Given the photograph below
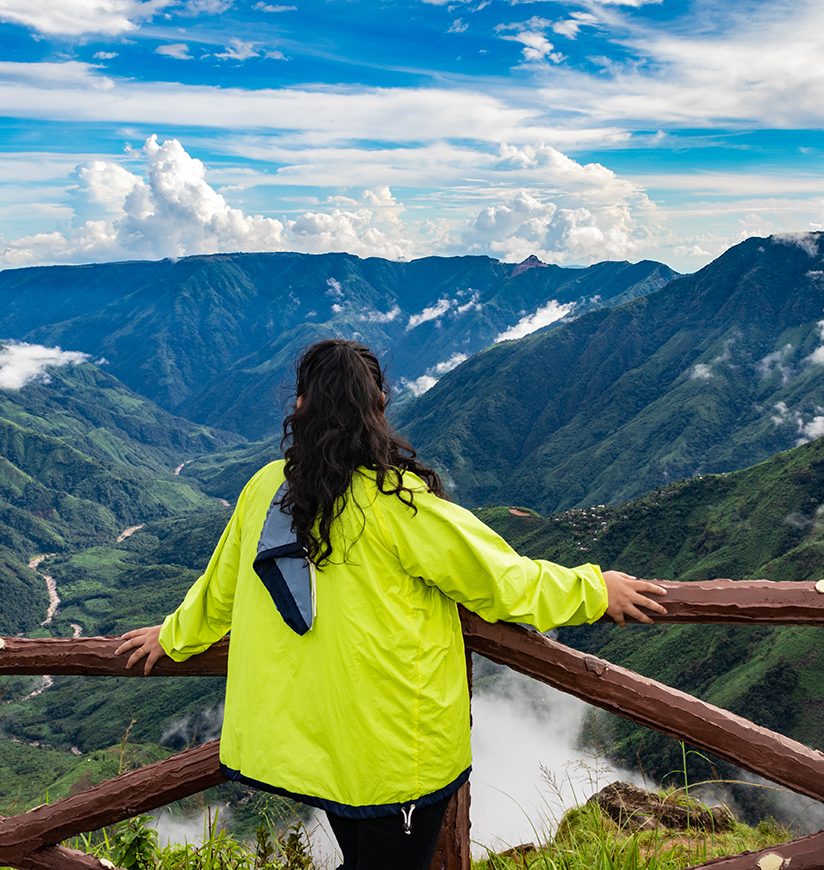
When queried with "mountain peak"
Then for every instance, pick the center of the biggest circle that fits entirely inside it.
(531, 262)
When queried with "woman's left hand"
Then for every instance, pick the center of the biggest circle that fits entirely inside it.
(144, 642)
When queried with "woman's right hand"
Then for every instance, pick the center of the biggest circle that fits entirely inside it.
(625, 597)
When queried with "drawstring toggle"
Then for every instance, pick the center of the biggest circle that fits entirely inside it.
(407, 818)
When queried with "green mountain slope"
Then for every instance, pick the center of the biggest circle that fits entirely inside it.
(763, 521)
(214, 337)
(81, 458)
(711, 373)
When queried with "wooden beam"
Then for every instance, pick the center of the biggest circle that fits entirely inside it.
(453, 851)
(649, 703)
(61, 858)
(804, 854)
(94, 656)
(784, 602)
(127, 795)
(732, 601)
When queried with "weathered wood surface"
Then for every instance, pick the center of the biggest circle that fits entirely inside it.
(94, 656)
(112, 801)
(60, 858)
(732, 601)
(784, 602)
(454, 850)
(804, 854)
(649, 703)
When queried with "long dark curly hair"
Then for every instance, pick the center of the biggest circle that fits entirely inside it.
(339, 424)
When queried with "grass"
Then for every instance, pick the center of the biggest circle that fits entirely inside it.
(587, 839)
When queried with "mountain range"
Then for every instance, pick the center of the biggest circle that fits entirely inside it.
(632, 378)
(715, 371)
(213, 338)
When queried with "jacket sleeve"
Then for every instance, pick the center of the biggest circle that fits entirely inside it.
(205, 614)
(448, 547)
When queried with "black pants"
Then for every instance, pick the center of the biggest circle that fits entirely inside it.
(382, 844)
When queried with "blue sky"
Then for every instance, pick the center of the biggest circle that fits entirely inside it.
(579, 131)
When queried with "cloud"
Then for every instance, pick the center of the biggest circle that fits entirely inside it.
(808, 429)
(55, 76)
(777, 362)
(817, 356)
(458, 26)
(706, 371)
(701, 371)
(207, 7)
(238, 49)
(808, 242)
(177, 50)
(811, 429)
(104, 55)
(332, 113)
(174, 211)
(670, 71)
(373, 316)
(274, 7)
(78, 17)
(425, 382)
(594, 216)
(543, 316)
(530, 34)
(334, 288)
(569, 27)
(432, 312)
(21, 363)
(520, 797)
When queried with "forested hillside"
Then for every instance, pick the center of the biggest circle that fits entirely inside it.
(81, 458)
(213, 338)
(765, 521)
(714, 372)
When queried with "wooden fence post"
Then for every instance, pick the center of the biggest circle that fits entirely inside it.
(453, 849)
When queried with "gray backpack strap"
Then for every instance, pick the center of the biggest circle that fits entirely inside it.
(283, 567)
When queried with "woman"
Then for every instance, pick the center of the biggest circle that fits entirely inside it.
(346, 685)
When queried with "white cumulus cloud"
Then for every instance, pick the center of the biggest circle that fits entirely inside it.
(172, 210)
(76, 17)
(536, 47)
(543, 316)
(589, 215)
(21, 363)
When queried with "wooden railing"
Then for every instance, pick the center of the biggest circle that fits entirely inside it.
(31, 839)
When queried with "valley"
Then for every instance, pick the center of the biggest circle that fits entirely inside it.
(668, 428)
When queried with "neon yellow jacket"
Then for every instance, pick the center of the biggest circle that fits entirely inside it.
(370, 709)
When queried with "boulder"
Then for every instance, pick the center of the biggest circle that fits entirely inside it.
(635, 809)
